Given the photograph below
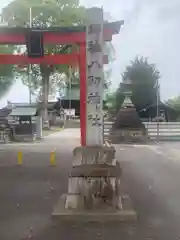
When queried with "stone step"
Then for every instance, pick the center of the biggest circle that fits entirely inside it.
(95, 170)
(127, 213)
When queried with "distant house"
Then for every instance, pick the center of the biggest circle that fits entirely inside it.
(71, 98)
(4, 112)
(21, 112)
(166, 113)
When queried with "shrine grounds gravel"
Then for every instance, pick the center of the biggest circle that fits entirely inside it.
(29, 192)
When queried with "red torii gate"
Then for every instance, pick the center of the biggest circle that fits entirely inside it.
(58, 35)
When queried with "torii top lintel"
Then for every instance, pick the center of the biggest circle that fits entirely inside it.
(56, 35)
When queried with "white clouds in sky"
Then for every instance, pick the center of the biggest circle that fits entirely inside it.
(151, 29)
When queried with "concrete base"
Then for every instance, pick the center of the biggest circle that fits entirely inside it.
(127, 213)
(39, 139)
(118, 140)
(25, 138)
(128, 136)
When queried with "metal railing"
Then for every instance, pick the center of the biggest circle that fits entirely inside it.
(168, 131)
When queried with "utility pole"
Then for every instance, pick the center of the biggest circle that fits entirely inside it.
(70, 90)
(70, 86)
(157, 109)
(29, 66)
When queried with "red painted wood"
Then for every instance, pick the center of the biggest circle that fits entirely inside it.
(54, 38)
(68, 59)
(82, 70)
(23, 60)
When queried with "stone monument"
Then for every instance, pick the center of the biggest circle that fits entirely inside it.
(94, 181)
(128, 126)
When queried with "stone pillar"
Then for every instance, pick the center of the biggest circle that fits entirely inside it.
(39, 126)
(93, 163)
(94, 81)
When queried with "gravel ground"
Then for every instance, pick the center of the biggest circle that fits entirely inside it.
(29, 192)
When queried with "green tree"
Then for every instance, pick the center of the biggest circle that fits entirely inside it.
(49, 13)
(45, 13)
(7, 73)
(144, 77)
(111, 101)
(174, 102)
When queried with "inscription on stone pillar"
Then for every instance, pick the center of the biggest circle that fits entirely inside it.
(95, 81)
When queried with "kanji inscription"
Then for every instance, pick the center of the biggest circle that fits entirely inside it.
(95, 82)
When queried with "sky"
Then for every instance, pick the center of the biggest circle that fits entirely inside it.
(151, 29)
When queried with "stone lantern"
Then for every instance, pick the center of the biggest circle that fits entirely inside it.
(128, 126)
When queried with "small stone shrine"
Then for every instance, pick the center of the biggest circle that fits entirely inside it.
(128, 126)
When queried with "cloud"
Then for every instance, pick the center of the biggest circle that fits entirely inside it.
(18, 93)
(152, 30)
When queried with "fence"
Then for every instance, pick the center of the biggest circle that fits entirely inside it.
(168, 131)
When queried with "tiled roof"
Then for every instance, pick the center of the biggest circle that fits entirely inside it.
(4, 112)
(115, 26)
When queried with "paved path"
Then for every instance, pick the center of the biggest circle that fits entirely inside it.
(152, 178)
(28, 193)
(53, 141)
(71, 133)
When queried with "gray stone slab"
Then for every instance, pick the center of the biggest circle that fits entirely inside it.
(95, 170)
(127, 213)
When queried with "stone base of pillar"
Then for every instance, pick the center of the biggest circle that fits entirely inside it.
(94, 188)
(39, 139)
(108, 214)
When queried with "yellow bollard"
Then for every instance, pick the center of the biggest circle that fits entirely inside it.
(20, 158)
(52, 158)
